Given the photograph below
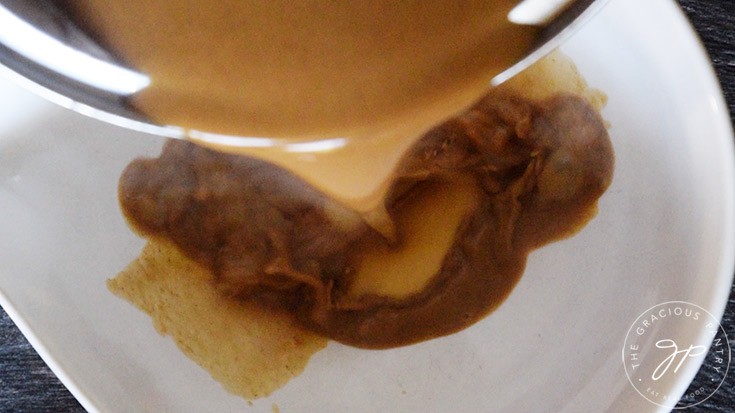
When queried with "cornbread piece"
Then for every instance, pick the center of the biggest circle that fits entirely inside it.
(250, 351)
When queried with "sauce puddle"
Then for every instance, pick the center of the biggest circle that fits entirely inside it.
(340, 293)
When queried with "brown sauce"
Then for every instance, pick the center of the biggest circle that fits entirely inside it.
(535, 169)
(252, 347)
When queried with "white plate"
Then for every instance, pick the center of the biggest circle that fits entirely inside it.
(664, 232)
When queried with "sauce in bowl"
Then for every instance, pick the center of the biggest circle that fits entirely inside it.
(371, 76)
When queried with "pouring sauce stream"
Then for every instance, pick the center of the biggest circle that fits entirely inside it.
(369, 76)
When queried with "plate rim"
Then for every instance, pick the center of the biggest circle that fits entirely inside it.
(723, 288)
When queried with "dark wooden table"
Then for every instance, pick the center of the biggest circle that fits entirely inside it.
(27, 385)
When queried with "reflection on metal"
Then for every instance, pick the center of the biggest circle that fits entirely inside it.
(537, 12)
(41, 48)
(554, 32)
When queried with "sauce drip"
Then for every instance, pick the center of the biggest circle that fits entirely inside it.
(427, 225)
